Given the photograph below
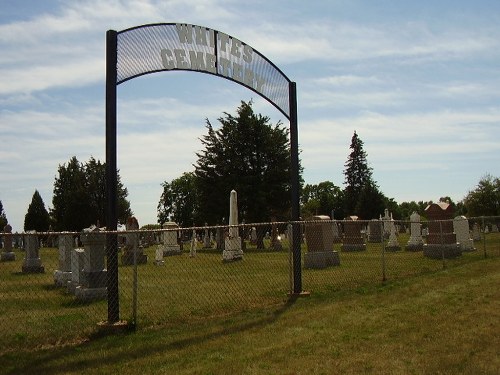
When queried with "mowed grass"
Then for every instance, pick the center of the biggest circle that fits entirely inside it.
(198, 291)
(445, 322)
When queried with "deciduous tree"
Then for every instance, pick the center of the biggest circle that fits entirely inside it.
(484, 200)
(179, 201)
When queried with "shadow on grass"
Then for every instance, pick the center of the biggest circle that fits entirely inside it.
(69, 359)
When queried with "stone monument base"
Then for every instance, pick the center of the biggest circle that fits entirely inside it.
(232, 255)
(8, 257)
(170, 250)
(438, 251)
(61, 278)
(353, 247)
(393, 248)
(414, 247)
(232, 250)
(33, 266)
(128, 258)
(90, 294)
(321, 259)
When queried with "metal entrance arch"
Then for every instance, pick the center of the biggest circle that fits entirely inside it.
(176, 46)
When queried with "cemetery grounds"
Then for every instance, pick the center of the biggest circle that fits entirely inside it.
(227, 299)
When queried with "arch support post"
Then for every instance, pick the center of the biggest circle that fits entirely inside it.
(111, 179)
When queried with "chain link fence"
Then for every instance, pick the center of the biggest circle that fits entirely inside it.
(53, 286)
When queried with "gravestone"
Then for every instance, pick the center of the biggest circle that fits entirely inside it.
(93, 283)
(415, 243)
(375, 231)
(275, 238)
(207, 243)
(319, 240)
(386, 219)
(159, 256)
(461, 229)
(441, 241)
(63, 274)
(192, 250)
(253, 236)
(353, 238)
(337, 236)
(494, 228)
(476, 232)
(232, 242)
(77, 261)
(393, 243)
(132, 251)
(170, 240)
(32, 262)
(7, 254)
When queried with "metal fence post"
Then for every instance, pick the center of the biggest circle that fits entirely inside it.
(383, 251)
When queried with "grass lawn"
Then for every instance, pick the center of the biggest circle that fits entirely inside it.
(443, 322)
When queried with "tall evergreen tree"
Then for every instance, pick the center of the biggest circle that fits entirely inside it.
(357, 174)
(79, 196)
(37, 218)
(3, 217)
(251, 156)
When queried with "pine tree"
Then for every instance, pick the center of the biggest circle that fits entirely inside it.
(3, 218)
(357, 174)
(80, 194)
(37, 218)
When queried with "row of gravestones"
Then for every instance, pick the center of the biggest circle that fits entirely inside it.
(446, 237)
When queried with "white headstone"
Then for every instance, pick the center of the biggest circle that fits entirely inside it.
(63, 274)
(461, 229)
(415, 243)
(232, 243)
(170, 243)
(393, 243)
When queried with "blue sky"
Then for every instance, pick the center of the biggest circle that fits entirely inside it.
(418, 81)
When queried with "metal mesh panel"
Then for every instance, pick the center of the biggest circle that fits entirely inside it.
(163, 47)
(53, 291)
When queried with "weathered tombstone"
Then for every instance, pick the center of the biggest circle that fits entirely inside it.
(494, 228)
(415, 243)
(159, 256)
(207, 244)
(192, 250)
(232, 242)
(461, 229)
(93, 285)
(275, 238)
(353, 238)
(32, 262)
(337, 237)
(386, 219)
(441, 241)
(319, 240)
(375, 231)
(63, 274)
(393, 243)
(253, 236)
(133, 252)
(7, 254)
(170, 240)
(476, 232)
(77, 264)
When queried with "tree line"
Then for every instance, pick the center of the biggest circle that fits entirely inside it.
(249, 154)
